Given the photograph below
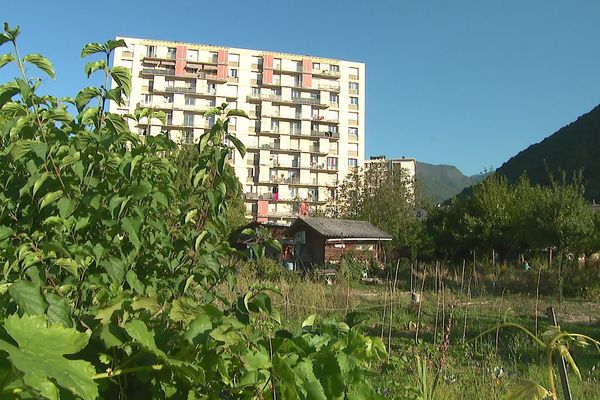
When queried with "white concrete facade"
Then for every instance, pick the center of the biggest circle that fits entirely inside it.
(307, 115)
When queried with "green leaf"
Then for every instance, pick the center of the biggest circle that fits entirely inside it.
(130, 226)
(42, 63)
(7, 91)
(39, 357)
(113, 44)
(20, 148)
(92, 48)
(70, 265)
(237, 113)
(253, 361)
(134, 282)
(310, 321)
(140, 190)
(59, 310)
(85, 95)
(66, 207)
(528, 390)
(198, 326)
(122, 77)
(137, 330)
(212, 111)
(115, 269)
(50, 198)
(238, 144)
(5, 232)
(93, 66)
(28, 297)
(5, 59)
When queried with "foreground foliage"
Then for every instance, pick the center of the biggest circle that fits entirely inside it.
(110, 263)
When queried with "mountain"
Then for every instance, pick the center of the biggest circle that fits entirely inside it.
(441, 182)
(572, 148)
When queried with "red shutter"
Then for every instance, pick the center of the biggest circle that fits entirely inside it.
(180, 63)
(303, 209)
(223, 56)
(222, 71)
(267, 76)
(307, 66)
(181, 53)
(307, 73)
(263, 211)
(268, 61)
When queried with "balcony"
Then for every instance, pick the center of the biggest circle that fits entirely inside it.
(251, 195)
(159, 71)
(278, 99)
(326, 72)
(353, 138)
(328, 120)
(317, 150)
(329, 87)
(353, 77)
(331, 135)
(180, 89)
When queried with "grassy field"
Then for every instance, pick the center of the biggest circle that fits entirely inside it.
(448, 320)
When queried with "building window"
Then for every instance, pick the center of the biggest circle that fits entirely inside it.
(353, 162)
(213, 57)
(212, 88)
(354, 101)
(353, 86)
(171, 52)
(334, 98)
(147, 99)
(151, 51)
(353, 133)
(335, 68)
(211, 121)
(293, 192)
(316, 66)
(274, 126)
(255, 91)
(295, 94)
(332, 162)
(295, 127)
(298, 80)
(169, 118)
(277, 63)
(276, 92)
(233, 73)
(234, 58)
(188, 136)
(315, 96)
(188, 119)
(191, 55)
(169, 99)
(190, 101)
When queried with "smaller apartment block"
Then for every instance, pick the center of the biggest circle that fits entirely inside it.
(306, 127)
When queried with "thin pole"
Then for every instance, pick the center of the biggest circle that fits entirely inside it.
(562, 366)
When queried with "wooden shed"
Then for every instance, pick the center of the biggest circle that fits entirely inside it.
(321, 240)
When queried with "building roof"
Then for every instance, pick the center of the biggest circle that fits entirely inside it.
(344, 228)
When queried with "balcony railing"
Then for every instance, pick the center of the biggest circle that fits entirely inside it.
(326, 72)
(127, 54)
(325, 134)
(180, 89)
(353, 153)
(330, 87)
(159, 71)
(353, 138)
(278, 98)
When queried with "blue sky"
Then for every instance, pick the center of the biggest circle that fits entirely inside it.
(468, 83)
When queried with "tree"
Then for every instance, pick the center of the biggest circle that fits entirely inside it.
(384, 196)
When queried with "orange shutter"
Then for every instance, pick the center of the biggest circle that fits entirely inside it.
(180, 62)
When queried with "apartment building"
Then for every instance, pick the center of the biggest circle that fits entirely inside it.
(307, 115)
(407, 165)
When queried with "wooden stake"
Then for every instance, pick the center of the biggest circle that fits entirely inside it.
(420, 303)
(462, 277)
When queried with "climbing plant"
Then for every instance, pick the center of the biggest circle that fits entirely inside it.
(110, 266)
